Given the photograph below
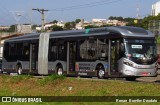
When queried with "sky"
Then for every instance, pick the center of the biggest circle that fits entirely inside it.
(20, 11)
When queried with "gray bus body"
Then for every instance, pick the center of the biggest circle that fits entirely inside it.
(104, 52)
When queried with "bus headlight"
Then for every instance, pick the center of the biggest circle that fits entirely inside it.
(128, 63)
(129, 72)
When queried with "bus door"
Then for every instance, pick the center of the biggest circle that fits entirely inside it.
(33, 57)
(114, 55)
(71, 57)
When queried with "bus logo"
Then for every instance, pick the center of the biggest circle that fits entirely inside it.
(6, 99)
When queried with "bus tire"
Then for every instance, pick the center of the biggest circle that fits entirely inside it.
(101, 72)
(130, 78)
(59, 70)
(19, 69)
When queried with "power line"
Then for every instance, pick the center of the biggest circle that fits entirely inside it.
(17, 15)
(6, 12)
(26, 19)
(77, 6)
(92, 4)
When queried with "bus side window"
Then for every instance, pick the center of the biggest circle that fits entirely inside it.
(103, 54)
(52, 56)
(12, 51)
(83, 48)
(62, 51)
(26, 51)
(94, 49)
(91, 52)
(122, 50)
(19, 50)
(6, 51)
(102, 49)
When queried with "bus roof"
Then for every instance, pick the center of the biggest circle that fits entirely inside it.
(124, 31)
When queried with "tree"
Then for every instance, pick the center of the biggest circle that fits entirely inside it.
(34, 27)
(56, 28)
(70, 25)
(91, 26)
(77, 20)
(111, 18)
(128, 19)
(55, 21)
(119, 18)
(12, 28)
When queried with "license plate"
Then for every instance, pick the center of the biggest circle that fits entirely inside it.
(145, 73)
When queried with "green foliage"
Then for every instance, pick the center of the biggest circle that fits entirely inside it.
(77, 20)
(146, 20)
(12, 28)
(106, 25)
(56, 28)
(54, 21)
(16, 79)
(91, 26)
(120, 18)
(19, 78)
(70, 25)
(158, 40)
(129, 21)
(34, 27)
(140, 22)
(80, 87)
(50, 78)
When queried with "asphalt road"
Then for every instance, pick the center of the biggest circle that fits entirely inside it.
(149, 79)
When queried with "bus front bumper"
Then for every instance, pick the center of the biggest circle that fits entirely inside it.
(140, 72)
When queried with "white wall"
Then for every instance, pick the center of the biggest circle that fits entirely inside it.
(155, 9)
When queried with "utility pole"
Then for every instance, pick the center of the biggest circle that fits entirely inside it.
(42, 13)
(82, 23)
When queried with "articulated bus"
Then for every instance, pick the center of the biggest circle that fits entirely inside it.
(120, 51)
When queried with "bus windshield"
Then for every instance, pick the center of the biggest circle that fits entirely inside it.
(141, 51)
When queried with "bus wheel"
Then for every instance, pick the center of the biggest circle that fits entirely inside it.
(101, 73)
(19, 70)
(59, 70)
(131, 78)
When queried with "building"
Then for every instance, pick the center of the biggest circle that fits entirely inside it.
(99, 22)
(116, 23)
(82, 24)
(154, 25)
(48, 25)
(4, 27)
(112, 22)
(155, 9)
(61, 24)
(24, 28)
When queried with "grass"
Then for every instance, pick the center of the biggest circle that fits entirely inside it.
(49, 79)
(60, 86)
